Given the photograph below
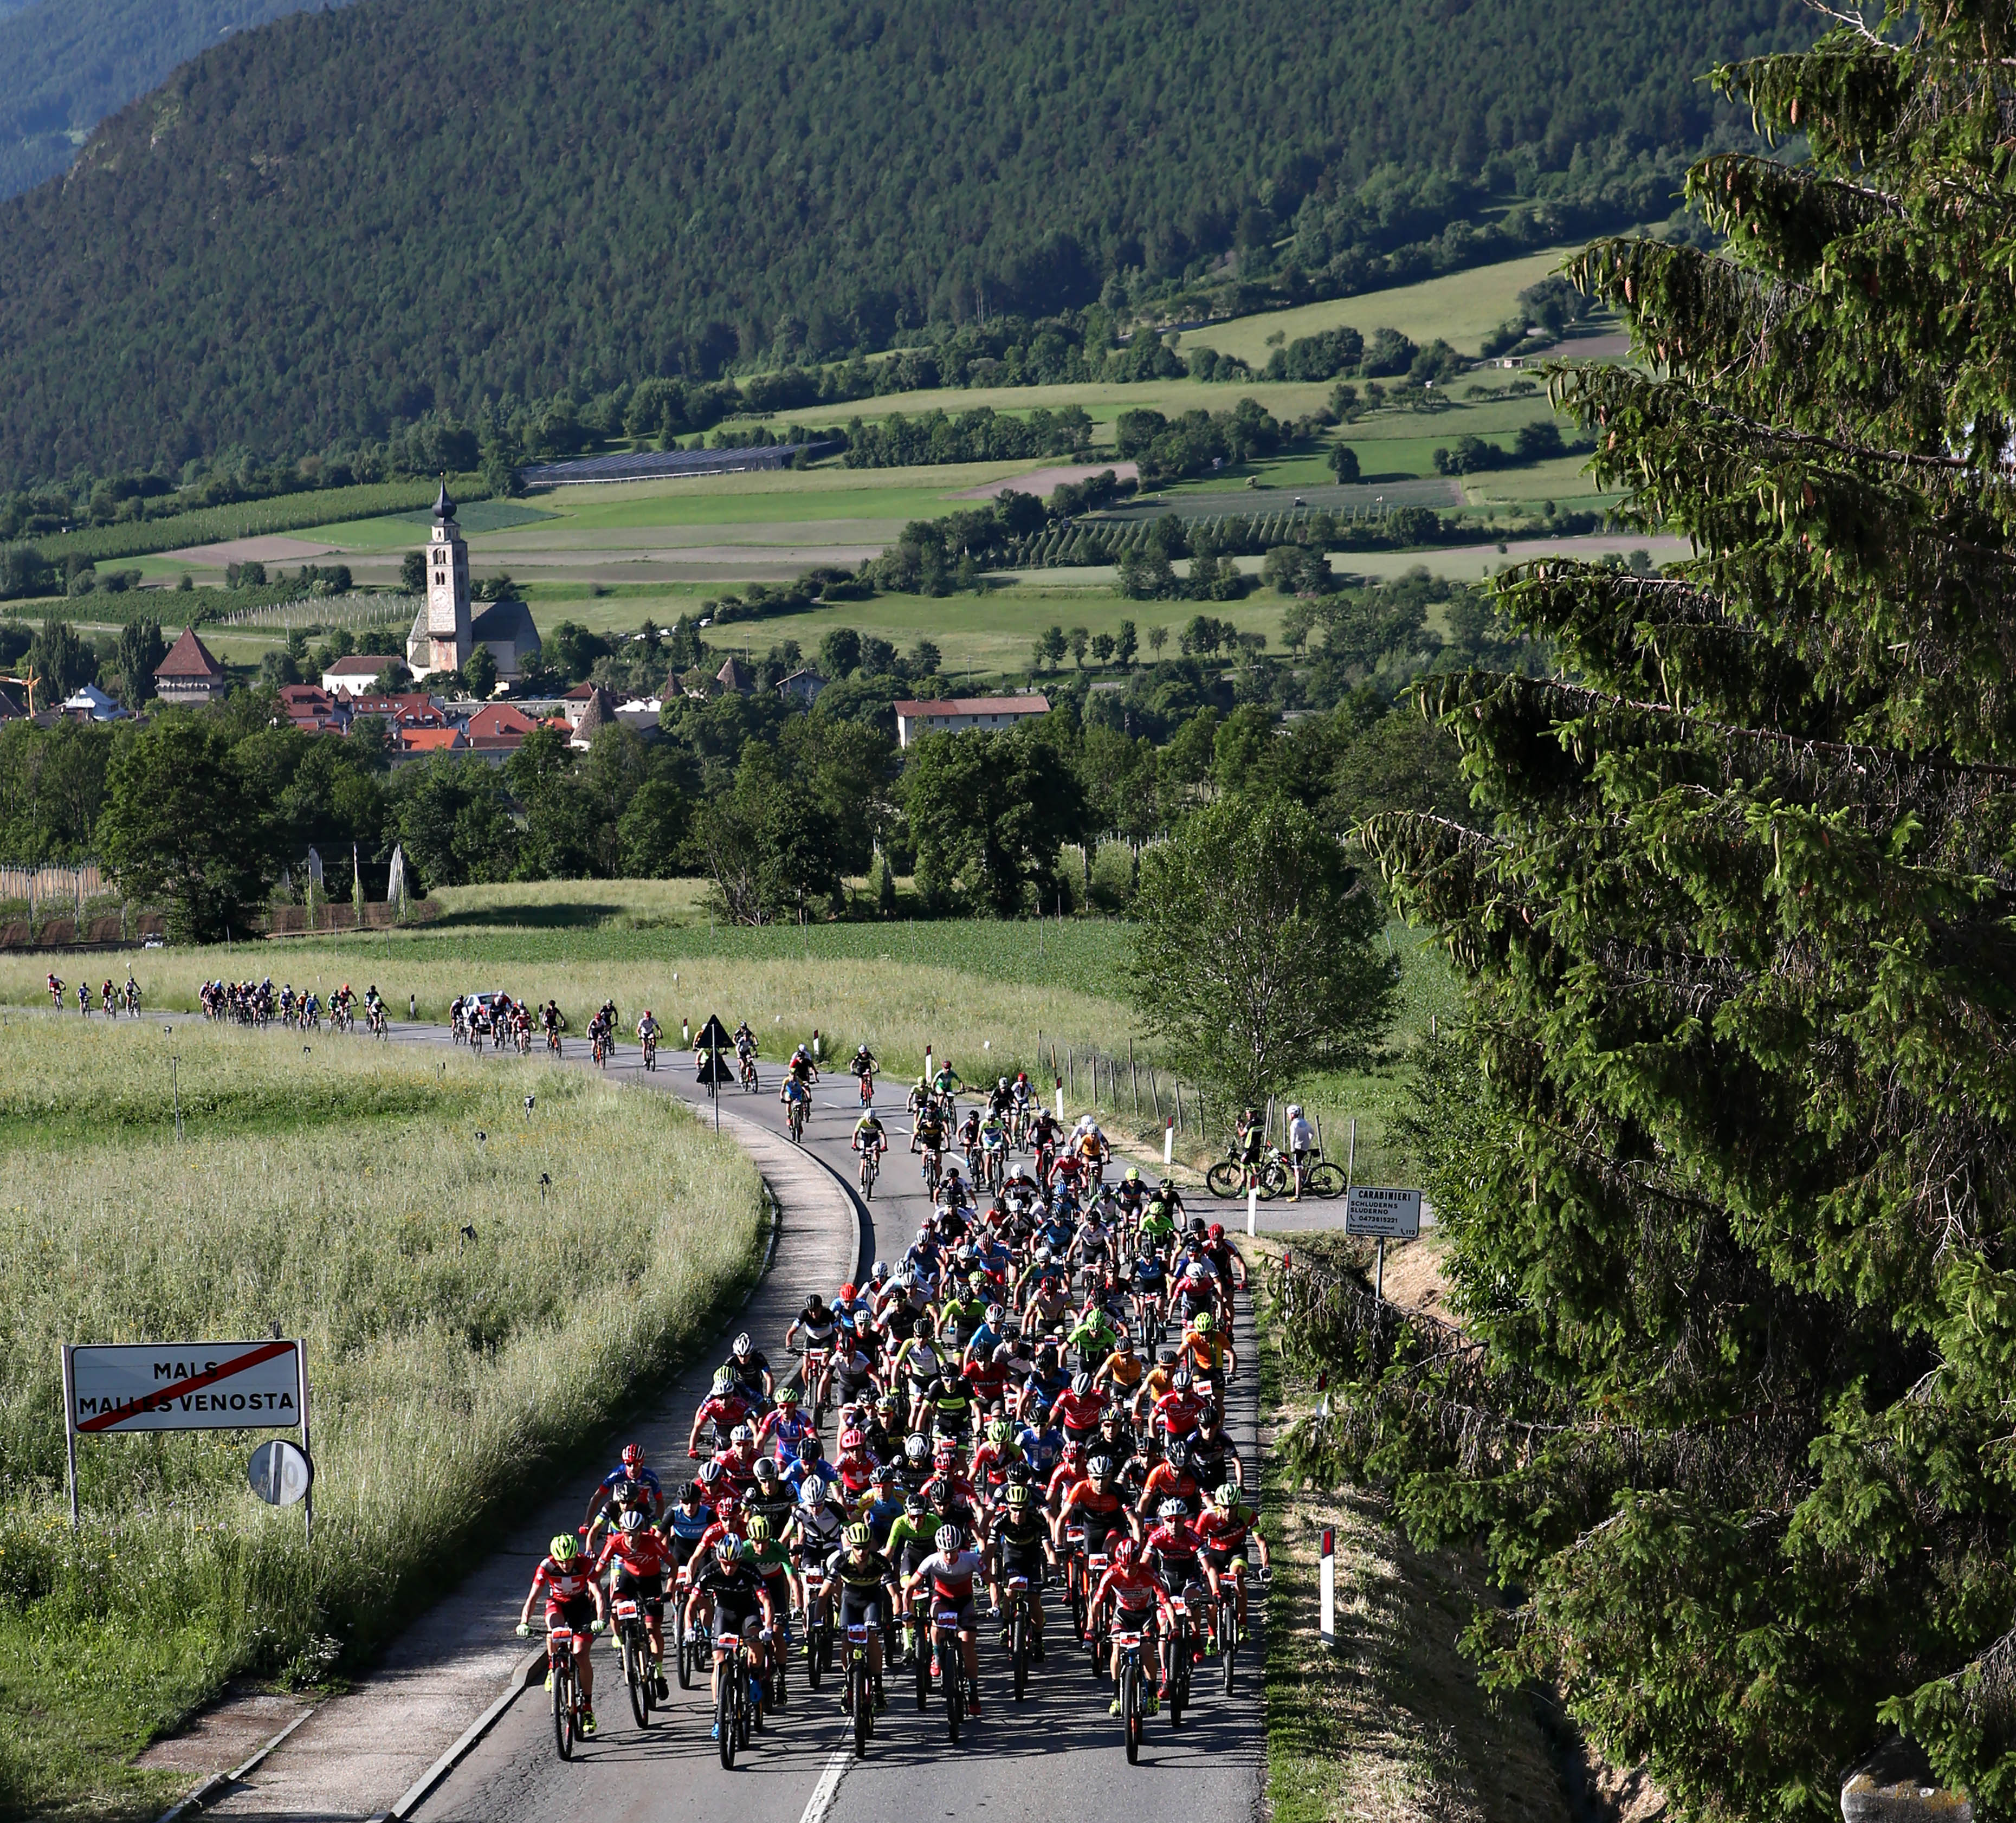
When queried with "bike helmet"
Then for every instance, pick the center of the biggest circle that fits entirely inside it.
(916, 1449)
(1217, 1230)
(948, 1540)
(812, 1494)
(849, 1291)
(809, 1450)
(1171, 1508)
(632, 1521)
(1124, 1554)
(997, 1430)
(997, 1313)
(740, 1435)
(711, 1472)
(1165, 1357)
(858, 1537)
(633, 1453)
(788, 1398)
(565, 1547)
(942, 1491)
(851, 1440)
(758, 1530)
(879, 1271)
(1133, 1173)
(1099, 1467)
(1179, 1455)
(766, 1469)
(913, 1502)
(743, 1345)
(1082, 1384)
(1017, 1494)
(1224, 1496)
(1205, 1323)
(690, 1493)
(728, 1548)
(1179, 1382)
(724, 1378)
(728, 1504)
(885, 1402)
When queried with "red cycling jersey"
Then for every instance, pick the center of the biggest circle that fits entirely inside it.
(951, 1577)
(1086, 1499)
(1225, 1531)
(988, 1379)
(643, 1552)
(565, 1582)
(714, 1533)
(1133, 1590)
(1074, 1413)
(738, 1467)
(1178, 1412)
(856, 1472)
(1063, 1477)
(727, 1410)
(1174, 1544)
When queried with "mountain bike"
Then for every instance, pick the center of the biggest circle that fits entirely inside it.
(695, 1643)
(996, 1160)
(735, 1713)
(1020, 1600)
(866, 1079)
(1133, 1690)
(860, 1697)
(636, 1648)
(651, 1053)
(1181, 1644)
(944, 1665)
(933, 1169)
(818, 1625)
(601, 1051)
(1230, 1637)
(749, 1071)
(561, 1644)
(869, 1167)
(1098, 1625)
(795, 1117)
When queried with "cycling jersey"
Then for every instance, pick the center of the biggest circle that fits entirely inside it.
(724, 1411)
(640, 1476)
(1204, 1354)
(951, 1578)
(1021, 1541)
(738, 1592)
(784, 1429)
(1125, 1371)
(642, 1553)
(910, 1540)
(798, 1474)
(1177, 1412)
(816, 1326)
(819, 1529)
(868, 1131)
(1165, 1479)
(880, 1517)
(1099, 1513)
(869, 1572)
(1080, 1414)
(1132, 1589)
(919, 1358)
(749, 1371)
(1173, 1546)
(1224, 1533)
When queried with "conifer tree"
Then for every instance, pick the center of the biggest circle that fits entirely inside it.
(1724, 1151)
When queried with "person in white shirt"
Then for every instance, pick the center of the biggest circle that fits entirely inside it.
(1302, 1142)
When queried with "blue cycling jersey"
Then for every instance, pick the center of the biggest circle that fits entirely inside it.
(644, 1478)
(689, 1525)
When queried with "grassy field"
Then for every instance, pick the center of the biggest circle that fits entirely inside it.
(1460, 308)
(323, 1193)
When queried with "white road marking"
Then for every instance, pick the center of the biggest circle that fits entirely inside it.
(819, 1804)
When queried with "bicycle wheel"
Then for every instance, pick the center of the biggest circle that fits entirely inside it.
(564, 1710)
(634, 1675)
(815, 1657)
(1018, 1649)
(1273, 1180)
(863, 1702)
(1228, 1639)
(724, 1716)
(923, 1670)
(1179, 1674)
(950, 1651)
(1223, 1179)
(685, 1656)
(1130, 1708)
(1324, 1179)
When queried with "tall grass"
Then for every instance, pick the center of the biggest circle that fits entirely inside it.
(449, 1375)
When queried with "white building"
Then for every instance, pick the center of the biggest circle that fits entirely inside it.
(351, 677)
(952, 715)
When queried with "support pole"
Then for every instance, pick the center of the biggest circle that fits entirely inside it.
(307, 1499)
(70, 1433)
(1326, 1592)
(1379, 1277)
(1169, 1141)
(1134, 1079)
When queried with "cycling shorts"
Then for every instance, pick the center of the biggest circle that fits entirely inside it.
(650, 1591)
(578, 1613)
(1022, 1560)
(1100, 1528)
(968, 1615)
(1221, 1561)
(860, 1604)
(733, 1616)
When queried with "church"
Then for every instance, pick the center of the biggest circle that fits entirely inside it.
(444, 632)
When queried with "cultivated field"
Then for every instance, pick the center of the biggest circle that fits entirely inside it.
(324, 1193)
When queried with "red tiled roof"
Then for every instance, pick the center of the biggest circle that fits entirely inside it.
(429, 740)
(189, 657)
(500, 720)
(977, 706)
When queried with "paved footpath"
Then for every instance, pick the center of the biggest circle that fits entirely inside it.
(1057, 1754)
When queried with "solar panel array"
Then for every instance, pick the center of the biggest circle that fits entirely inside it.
(653, 464)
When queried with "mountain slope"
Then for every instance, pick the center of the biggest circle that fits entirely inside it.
(66, 64)
(316, 231)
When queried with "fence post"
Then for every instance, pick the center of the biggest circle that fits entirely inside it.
(1154, 1094)
(1178, 1081)
(1134, 1079)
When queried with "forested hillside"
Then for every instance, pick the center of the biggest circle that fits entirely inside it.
(326, 227)
(66, 64)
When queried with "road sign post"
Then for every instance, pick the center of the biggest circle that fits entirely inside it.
(183, 1386)
(1326, 1592)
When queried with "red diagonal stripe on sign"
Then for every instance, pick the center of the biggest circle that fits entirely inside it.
(158, 1401)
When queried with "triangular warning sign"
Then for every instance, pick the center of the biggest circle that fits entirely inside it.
(713, 1036)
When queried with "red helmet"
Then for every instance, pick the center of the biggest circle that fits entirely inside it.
(633, 1453)
(1123, 1553)
(947, 1451)
(851, 1440)
(849, 1290)
(1217, 1230)
(726, 1505)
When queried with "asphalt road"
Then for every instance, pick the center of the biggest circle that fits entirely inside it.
(1056, 1755)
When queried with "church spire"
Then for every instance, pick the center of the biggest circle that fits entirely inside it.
(444, 506)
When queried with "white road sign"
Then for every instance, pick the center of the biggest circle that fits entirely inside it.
(185, 1386)
(1384, 1214)
(279, 1473)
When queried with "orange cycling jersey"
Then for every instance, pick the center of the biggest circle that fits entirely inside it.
(1125, 1371)
(1204, 1354)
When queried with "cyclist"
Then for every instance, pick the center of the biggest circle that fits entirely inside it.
(687, 1523)
(1123, 1370)
(1213, 1459)
(724, 1408)
(1138, 1600)
(818, 1325)
(907, 1544)
(1207, 1350)
(927, 1137)
(918, 1362)
(1021, 1547)
(870, 1140)
(866, 1580)
(738, 1595)
(55, 991)
(801, 1069)
(647, 1036)
(752, 1370)
(862, 1067)
(948, 1574)
(638, 1561)
(993, 1136)
(764, 1549)
(771, 1499)
(1171, 1479)
(810, 1468)
(1221, 1533)
(631, 1469)
(1300, 1139)
(794, 1094)
(945, 1085)
(574, 1601)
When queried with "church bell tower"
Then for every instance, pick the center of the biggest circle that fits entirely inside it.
(447, 590)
